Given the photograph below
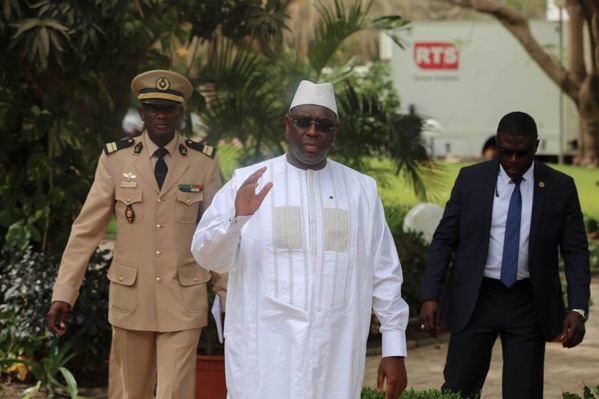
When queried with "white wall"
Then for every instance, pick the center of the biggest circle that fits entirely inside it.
(486, 74)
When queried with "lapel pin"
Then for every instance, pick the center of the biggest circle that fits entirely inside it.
(182, 150)
(541, 184)
(138, 147)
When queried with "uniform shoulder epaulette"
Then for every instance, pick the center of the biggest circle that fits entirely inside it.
(109, 148)
(203, 148)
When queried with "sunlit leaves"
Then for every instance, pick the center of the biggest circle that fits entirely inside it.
(338, 22)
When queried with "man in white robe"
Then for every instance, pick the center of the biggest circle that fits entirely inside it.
(309, 254)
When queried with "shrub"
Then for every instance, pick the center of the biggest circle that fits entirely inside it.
(50, 374)
(369, 393)
(26, 290)
(587, 393)
(412, 251)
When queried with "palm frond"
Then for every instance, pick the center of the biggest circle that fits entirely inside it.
(335, 25)
(368, 129)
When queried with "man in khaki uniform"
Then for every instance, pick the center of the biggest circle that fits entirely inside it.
(158, 185)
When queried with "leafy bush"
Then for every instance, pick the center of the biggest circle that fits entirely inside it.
(412, 251)
(591, 225)
(587, 393)
(369, 393)
(50, 374)
(592, 228)
(25, 294)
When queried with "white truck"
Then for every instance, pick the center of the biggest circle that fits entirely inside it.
(464, 76)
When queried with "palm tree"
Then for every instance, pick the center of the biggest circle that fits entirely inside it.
(248, 89)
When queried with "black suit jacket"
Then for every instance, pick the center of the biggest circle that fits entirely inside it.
(556, 225)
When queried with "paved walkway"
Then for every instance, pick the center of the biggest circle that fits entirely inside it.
(565, 369)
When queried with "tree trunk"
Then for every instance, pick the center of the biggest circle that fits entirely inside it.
(578, 84)
(588, 108)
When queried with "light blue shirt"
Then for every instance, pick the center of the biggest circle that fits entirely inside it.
(501, 202)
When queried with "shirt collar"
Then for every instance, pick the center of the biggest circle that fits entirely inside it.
(152, 147)
(528, 176)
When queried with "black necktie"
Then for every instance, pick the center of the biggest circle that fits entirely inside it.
(160, 169)
(511, 242)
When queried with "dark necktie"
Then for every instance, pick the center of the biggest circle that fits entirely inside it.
(511, 242)
(160, 168)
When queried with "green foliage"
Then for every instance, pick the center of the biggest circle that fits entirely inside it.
(248, 93)
(50, 374)
(587, 393)
(369, 393)
(65, 73)
(591, 224)
(25, 294)
(412, 251)
(592, 228)
(237, 19)
(338, 23)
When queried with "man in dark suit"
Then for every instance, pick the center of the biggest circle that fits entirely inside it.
(512, 290)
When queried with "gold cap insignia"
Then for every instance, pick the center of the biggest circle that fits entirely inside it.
(163, 83)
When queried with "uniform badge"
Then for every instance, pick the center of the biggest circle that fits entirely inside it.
(129, 214)
(138, 147)
(191, 188)
(182, 150)
(129, 183)
(109, 148)
(203, 148)
(162, 84)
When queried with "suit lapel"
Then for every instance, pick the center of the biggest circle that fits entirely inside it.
(538, 201)
(488, 187)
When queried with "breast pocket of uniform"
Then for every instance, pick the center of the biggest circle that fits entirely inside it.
(128, 206)
(188, 206)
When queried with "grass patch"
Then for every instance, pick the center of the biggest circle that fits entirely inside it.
(397, 192)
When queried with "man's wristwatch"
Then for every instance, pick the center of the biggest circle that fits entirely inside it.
(582, 314)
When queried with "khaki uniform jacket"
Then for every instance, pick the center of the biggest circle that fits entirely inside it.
(155, 283)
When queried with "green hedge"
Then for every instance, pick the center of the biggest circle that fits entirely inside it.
(369, 393)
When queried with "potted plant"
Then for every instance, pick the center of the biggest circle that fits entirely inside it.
(210, 360)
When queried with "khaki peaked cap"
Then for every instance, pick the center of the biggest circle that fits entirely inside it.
(160, 86)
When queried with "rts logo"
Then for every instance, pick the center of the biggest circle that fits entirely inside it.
(436, 56)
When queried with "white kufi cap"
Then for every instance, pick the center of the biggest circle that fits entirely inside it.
(309, 93)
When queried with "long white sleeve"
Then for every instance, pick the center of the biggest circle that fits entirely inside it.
(388, 305)
(216, 240)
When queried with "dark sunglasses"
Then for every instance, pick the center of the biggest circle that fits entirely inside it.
(503, 152)
(323, 125)
(161, 108)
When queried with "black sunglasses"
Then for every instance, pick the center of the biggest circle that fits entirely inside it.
(503, 152)
(323, 125)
